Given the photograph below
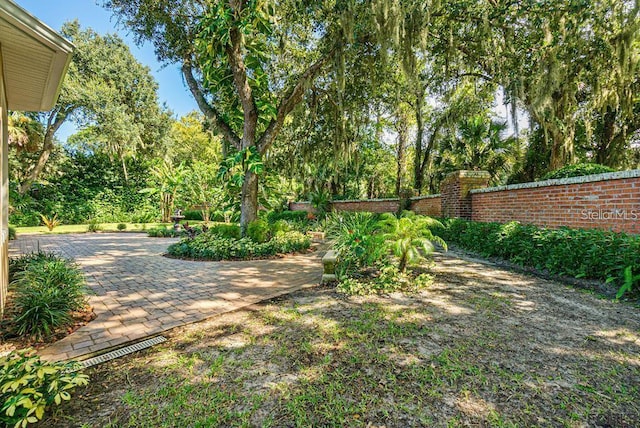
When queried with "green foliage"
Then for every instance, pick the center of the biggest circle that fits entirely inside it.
(629, 280)
(321, 201)
(274, 216)
(280, 226)
(224, 230)
(50, 222)
(94, 225)
(12, 233)
(29, 386)
(577, 170)
(122, 226)
(192, 215)
(410, 237)
(211, 246)
(388, 280)
(258, 231)
(592, 254)
(163, 232)
(47, 289)
(356, 240)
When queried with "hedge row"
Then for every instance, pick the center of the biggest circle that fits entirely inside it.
(210, 246)
(592, 254)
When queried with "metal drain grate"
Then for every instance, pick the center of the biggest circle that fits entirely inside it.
(112, 355)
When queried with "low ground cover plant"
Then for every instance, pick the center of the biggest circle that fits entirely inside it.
(163, 232)
(47, 290)
(374, 251)
(28, 386)
(223, 242)
(591, 254)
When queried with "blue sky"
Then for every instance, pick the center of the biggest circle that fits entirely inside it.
(172, 90)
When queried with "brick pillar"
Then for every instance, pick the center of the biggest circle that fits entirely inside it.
(454, 191)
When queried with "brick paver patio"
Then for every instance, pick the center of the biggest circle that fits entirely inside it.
(139, 293)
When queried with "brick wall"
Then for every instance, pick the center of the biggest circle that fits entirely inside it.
(301, 206)
(427, 205)
(602, 201)
(455, 190)
(370, 205)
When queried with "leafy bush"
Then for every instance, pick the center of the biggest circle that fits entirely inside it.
(192, 215)
(47, 290)
(94, 226)
(410, 237)
(577, 170)
(50, 222)
(274, 216)
(225, 230)
(28, 386)
(258, 231)
(388, 280)
(356, 240)
(211, 246)
(593, 254)
(12, 233)
(163, 232)
(281, 226)
(122, 226)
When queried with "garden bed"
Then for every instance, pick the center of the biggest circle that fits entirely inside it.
(481, 346)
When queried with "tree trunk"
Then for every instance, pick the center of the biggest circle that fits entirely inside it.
(561, 149)
(418, 171)
(249, 206)
(400, 152)
(54, 122)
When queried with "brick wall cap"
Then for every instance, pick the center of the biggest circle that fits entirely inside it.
(634, 173)
(419, 198)
(469, 174)
(350, 201)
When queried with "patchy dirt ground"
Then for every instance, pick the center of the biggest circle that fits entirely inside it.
(482, 347)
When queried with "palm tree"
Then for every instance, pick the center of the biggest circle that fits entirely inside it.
(410, 237)
(477, 144)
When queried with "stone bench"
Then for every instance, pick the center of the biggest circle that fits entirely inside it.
(329, 266)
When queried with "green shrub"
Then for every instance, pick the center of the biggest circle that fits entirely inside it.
(93, 226)
(12, 233)
(258, 231)
(192, 215)
(388, 280)
(274, 216)
(28, 386)
(281, 226)
(409, 237)
(122, 226)
(225, 230)
(47, 289)
(577, 170)
(210, 246)
(50, 222)
(592, 254)
(357, 241)
(163, 232)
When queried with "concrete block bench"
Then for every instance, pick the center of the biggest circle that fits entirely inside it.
(329, 266)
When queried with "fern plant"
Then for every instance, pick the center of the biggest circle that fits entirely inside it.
(50, 223)
(409, 237)
(629, 280)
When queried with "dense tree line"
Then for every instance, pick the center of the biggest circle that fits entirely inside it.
(350, 99)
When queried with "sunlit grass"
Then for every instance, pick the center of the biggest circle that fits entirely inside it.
(104, 227)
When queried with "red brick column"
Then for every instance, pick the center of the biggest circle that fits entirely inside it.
(454, 191)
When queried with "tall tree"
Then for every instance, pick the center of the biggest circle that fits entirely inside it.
(109, 95)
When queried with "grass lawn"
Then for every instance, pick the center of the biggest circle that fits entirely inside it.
(105, 227)
(482, 347)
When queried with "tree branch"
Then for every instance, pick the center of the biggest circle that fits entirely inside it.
(241, 83)
(290, 100)
(209, 111)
